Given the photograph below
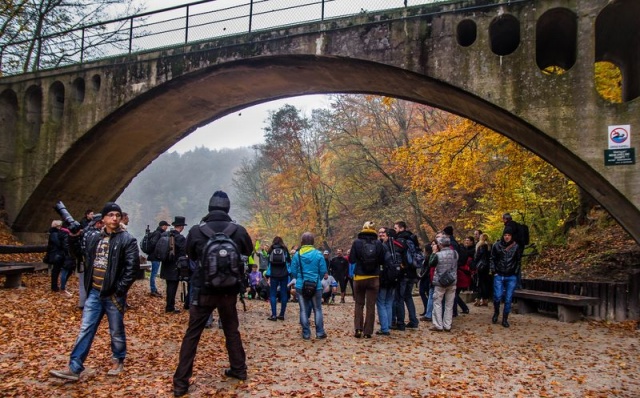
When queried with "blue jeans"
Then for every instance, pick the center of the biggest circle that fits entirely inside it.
(306, 305)
(504, 286)
(155, 266)
(273, 294)
(404, 298)
(384, 303)
(430, 303)
(64, 276)
(94, 309)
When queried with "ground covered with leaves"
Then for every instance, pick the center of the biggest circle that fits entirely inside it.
(537, 357)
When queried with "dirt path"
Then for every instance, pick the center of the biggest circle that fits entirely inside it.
(537, 357)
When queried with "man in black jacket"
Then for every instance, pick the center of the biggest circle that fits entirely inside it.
(407, 281)
(204, 300)
(113, 261)
(339, 268)
(169, 269)
(155, 263)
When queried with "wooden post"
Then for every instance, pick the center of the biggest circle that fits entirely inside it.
(603, 300)
(621, 302)
(611, 297)
(634, 294)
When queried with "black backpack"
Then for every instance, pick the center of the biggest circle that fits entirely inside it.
(278, 263)
(221, 261)
(414, 258)
(369, 257)
(165, 249)
(145, 245)
(393, 264)
(277, 256)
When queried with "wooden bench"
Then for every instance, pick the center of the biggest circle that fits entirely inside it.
(13, 274)
(569, 305)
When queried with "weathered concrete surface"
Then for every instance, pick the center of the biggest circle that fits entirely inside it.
(148, 102)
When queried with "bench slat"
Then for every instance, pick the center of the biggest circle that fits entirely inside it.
(556, 298)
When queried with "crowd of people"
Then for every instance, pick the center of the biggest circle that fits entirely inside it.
(382, 268)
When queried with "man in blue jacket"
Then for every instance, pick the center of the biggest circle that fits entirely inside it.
(308, 265)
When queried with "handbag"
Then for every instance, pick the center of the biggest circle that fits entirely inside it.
(308, 289)
(446, 279)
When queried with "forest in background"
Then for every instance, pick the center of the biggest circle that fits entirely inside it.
(181, 185)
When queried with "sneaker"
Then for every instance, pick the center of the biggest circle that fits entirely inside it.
(322, 336)
(425, 319)
(280, 317)
(272, 318)
(66, 374)
(435, 329)
(381, 333)
(358, 334)
(367, 336)
(116, 368)
(410, 326)
(235, 375)
(156, 294)
(66, 293)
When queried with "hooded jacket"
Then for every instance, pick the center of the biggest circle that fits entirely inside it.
(123, 263)
(356, 252)
(217, 220)
(308, 265)
(505, 258)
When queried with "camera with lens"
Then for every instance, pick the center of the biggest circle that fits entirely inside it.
(72, 224)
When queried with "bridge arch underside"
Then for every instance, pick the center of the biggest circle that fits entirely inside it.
(100, 165)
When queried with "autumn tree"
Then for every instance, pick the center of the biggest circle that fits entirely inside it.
(289, 178)
(477, 174)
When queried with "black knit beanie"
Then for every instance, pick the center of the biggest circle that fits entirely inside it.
(219, 201)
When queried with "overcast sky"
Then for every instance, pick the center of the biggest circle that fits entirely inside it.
(243, 128)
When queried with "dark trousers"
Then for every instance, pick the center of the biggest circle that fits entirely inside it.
(365, 294)
(55, 275)
(198, 316)
(172, 289)
(485, 286)
(459, 302)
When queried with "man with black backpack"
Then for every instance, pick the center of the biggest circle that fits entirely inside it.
(216, 245)
(148, 246)
(408, 278)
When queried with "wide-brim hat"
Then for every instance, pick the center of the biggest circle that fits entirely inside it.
(178, 221)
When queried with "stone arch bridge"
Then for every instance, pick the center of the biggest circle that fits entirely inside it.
(81, 133)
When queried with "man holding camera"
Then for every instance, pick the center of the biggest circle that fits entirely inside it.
(113, 262)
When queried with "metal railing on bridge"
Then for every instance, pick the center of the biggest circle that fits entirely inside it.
(189, 23)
